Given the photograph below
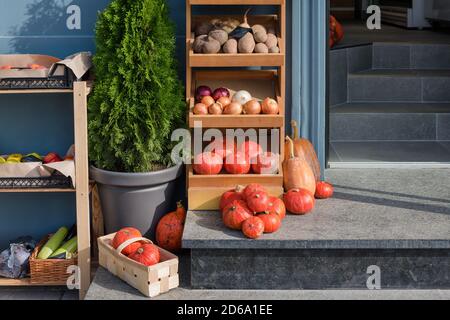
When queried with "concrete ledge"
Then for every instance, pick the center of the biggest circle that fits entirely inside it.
(372, 209)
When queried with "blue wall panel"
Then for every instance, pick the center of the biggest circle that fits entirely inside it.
(44, 123)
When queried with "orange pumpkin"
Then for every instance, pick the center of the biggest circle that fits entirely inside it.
(297, 172)
(126, 234)
(304, 149)
(336, 31)
(170, 229)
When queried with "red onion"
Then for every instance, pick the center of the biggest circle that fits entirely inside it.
(221, 92)
(202, 91)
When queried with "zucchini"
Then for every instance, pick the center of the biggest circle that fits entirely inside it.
(67, 248)
(72, 233)
(53, 244)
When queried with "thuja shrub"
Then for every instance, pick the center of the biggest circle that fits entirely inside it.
(137, 99)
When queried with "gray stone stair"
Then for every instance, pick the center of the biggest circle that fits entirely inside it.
(397, 220)
(388, 92)
(390, 85)
(390, 122)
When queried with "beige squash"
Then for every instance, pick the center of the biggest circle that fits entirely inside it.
(297, 172)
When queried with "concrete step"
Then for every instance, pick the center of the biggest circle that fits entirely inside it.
(395, 220)
(411, 56)
(388, 85)
(390, 122)
(105, 286)
(389, 154)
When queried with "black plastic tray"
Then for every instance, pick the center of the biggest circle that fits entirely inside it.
(53, 182)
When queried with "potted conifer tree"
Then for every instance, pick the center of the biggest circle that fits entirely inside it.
(136, 103)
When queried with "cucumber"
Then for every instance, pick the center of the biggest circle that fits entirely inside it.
(53, 244)
(67, 248)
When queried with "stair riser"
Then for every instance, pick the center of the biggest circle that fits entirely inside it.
(370, 88)
(389, 127)
(318, 269)
(404, 56)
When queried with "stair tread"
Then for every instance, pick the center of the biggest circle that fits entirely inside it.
(402, 73)
(389, 209)
(391, 107)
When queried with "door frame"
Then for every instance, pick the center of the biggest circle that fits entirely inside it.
(310, 20)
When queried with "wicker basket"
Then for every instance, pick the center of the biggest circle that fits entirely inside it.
(151, 281)
(50, 271)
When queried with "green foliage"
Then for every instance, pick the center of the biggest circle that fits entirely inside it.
(138, 99)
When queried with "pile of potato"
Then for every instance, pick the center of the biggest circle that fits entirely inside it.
(231, 36)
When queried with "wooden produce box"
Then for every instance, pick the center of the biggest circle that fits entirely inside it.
(238, 59)
(204, 192)
(261, 84)
(150, 281)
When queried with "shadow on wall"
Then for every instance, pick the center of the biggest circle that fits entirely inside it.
(42, 27)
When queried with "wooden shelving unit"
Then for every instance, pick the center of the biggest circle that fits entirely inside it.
(80, 92)
(204, 192)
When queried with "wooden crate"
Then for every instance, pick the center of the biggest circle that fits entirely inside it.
(261, 84)
(204, 192)
(150, 281)
(238, 59)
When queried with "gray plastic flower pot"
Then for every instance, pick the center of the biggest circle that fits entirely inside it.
(138, 200)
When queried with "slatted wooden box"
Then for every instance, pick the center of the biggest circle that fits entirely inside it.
(150, 281)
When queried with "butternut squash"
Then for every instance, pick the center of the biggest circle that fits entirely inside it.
(304, 149)
(297, 172)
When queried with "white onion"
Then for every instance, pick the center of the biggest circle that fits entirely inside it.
(242, 97)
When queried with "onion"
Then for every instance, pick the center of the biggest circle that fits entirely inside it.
(202, 91)
(233, 108)
(215, 108)
(270, 106)
(224, 101)
(220, 92)
(242, 97)
(252, 107)
(208, 101)
(200, 109)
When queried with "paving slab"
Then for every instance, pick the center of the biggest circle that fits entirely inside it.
(105, 286)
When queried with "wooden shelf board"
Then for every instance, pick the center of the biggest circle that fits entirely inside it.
(242, 121)
(37, 190)
(25, 283)
(197, 60)
(237, 2)
(44, 91)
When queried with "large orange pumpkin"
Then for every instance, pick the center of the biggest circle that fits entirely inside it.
(303, 149)
(126, 234)
(297, 172)
(169, 231)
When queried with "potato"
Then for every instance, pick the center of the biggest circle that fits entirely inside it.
(211, 45)
(259, 28)
(261, 48)
(274, 50)
(219, 35)
(199, 42)
(231, 46)
(272, 41)
(260, 37)
(247, 43)
(203, 28)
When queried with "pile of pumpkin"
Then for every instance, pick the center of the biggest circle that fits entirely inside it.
(169, 233)
(253, 211)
